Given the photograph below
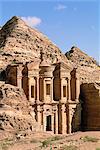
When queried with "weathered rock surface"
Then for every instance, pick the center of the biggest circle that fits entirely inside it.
(90, 95)
(15, 112)
(87, 66)
(21, 43)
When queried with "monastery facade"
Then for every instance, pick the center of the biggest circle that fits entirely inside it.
(53, 92)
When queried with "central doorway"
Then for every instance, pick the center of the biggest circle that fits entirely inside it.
(48, 123)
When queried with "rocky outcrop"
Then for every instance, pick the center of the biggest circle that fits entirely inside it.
(80, 58)
(90, 96)
(15, 111)
(87, 66)
(21, 43)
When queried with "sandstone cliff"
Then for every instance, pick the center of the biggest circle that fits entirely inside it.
(90, 95)
(21, 43)
(87, 67)
(15, 112)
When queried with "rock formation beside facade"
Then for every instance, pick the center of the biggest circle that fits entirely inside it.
(87, 66)
(90, 95)
(40, 86)
(15, 111)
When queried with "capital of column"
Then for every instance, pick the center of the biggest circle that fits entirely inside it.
(72, 110)
(19, 77)
(37, 77)
(63, 108)
(19, 70)
(54, 109)
(20, 67)
(31, 76)
(39, 108)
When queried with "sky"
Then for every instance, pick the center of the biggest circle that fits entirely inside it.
(66, 22)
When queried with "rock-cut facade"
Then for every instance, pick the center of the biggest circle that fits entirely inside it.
(53, 92)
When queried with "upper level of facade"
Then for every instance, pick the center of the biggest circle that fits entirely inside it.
(45, 83)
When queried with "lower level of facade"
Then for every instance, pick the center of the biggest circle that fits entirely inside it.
(58, 118)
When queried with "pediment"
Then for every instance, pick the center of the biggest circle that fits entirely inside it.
(65, 67)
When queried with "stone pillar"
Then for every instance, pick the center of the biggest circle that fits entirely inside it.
(37, 79)
(39, 114)
(44, 86)
(44, 121)
(63, 111)
(51, 90)
(69, 121)
(61, 90)
(77, 88)
(19, 76)
(56, 122)
(69, 90)
(71, 112)
(52, 123)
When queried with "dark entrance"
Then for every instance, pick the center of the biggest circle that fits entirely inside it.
(48, 123)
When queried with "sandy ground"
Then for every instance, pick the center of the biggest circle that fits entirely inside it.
(48, 141)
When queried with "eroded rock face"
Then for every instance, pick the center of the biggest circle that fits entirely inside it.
(13, 96)
(15, 111)
(21, 43)
(90, 96)
(87, 66)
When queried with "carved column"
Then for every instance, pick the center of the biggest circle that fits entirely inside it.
(44, 122)
(63, 111)
(37, 79)
(69, 122)
(44, 86)
(61, 89)
(19, 76)
(55, 111)
(39, 114)
(69, 94)
(52, 123)
(62, 120)
(51, 89)
(71, 112)
(67, 89)
(57, 120)
(77, 87)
